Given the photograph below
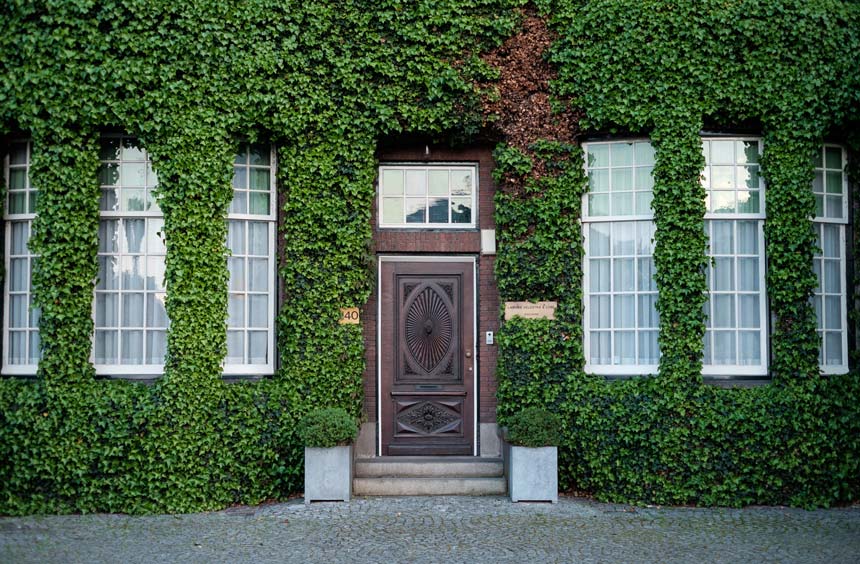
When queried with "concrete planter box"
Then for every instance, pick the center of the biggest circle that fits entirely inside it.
(532, 473)
(328, 474)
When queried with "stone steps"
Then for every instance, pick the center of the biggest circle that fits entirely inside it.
(429, 475)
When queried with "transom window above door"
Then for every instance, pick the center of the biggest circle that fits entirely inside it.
(428, 196)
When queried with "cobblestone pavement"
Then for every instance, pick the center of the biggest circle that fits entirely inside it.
(449, 529)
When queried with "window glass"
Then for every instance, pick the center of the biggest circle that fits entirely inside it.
(735, 309)
(424, 196)
(620, 178)
(830, 297)
(251, 262)
(21, 328)
(829, 185)
(732, 178)
(621, 321)
(130, 316)
(735, 341)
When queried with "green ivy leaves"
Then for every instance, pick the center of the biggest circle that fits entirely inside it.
(65, 235)
(670, 70)
(679, 250)
(322, 81)
(790, 244)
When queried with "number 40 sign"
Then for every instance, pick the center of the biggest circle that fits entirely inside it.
(349, 316)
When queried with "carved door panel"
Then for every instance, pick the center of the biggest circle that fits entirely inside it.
(427, 364)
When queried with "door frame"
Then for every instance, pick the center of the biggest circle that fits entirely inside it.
(468, 259)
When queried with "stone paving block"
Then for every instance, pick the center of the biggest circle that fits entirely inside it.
(441, 529)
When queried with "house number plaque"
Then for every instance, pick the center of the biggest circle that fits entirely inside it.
(349, 316)
(530, 310)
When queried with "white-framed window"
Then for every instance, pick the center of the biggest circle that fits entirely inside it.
(736, 310)
(251, 228)
(620, 318)
(437, 196)
(21, 345)
(129, 308)
(830, 187)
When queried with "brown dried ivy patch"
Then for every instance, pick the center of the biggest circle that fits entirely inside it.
(523, 112)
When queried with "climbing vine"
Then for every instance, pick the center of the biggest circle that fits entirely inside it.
(670, 71)
(65, 236)
(322, 82)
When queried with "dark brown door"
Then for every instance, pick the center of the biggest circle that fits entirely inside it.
(427, 358)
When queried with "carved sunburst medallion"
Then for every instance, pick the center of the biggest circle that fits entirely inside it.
(429, 328)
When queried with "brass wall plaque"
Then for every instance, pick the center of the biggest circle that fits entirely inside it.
(349, 316)
(530, 310)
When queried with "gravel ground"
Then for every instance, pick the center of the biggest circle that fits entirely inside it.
(434, 529)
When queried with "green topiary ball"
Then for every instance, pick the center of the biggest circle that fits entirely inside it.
(327, 427)
(534, 427)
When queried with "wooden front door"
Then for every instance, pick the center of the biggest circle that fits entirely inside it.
(427, 367)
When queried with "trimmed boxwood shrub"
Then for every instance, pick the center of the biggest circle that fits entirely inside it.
(328, 427)
(534, 427)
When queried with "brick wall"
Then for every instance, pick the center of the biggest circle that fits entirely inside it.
(442, 242)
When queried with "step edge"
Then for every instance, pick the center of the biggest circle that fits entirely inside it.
(428, 459)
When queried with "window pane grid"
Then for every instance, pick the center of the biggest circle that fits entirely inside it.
(127, 178)
(253, 182)
(732, 177)
(130, 315)
(735, 312)
(622, 321)
(830, 185)
(620, 179)
(249, 294)
(829, 297)
(22, 320)
(734, 326)
(129, 307)
(20, 196)
(416, 196)
(251, 245)
(21, 345)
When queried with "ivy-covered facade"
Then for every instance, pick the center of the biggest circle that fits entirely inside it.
(196, 194)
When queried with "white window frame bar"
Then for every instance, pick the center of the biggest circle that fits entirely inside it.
(586, 219)
(728, 370)
(470, 166)
(271, 220)
(8, 219)
(841, 222)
